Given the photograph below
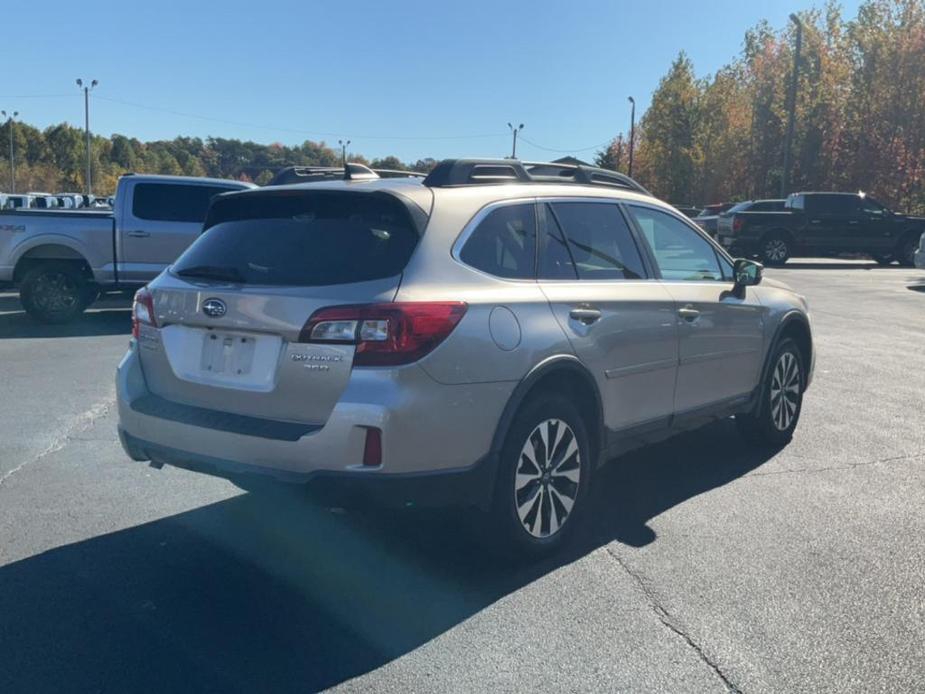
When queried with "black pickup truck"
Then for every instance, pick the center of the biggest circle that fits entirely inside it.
(823, 224)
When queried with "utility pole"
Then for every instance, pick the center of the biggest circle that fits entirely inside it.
(632, 131)
(12, 162)
(791, 107)
(515, 131)
(343, 151)
(86, 89)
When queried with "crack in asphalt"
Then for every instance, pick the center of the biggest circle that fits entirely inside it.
(69, 432)
(834, 468)
(671, 623)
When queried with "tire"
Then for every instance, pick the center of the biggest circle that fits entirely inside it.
(55, 292)
(883, 259)
(775, 249)
(778, 411)
(554, 493)
(905, 252)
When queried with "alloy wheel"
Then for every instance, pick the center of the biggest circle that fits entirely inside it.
(785, 391)
(55, 293)
(775, 250)
(547, 478)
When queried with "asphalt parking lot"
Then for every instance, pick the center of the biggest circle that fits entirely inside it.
(708, 566)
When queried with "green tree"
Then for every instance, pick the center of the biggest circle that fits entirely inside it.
(671, 157)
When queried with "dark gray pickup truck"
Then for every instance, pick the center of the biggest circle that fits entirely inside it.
(820, 225)
(62, 259)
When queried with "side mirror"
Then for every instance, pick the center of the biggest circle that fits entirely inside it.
(747, 272)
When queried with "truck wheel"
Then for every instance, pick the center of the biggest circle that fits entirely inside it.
(905, 252)
(776, 416)
(543, 477)
(775, 249)
(883, 258)
(55, 292)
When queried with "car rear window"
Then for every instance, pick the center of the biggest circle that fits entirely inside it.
(303, 239)
(174, 202)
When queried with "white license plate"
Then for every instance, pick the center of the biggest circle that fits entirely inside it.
(727, 240)
(227, 355)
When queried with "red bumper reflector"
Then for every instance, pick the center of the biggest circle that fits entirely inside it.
(372, 452)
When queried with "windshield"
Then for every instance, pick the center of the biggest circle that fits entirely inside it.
(741, 207)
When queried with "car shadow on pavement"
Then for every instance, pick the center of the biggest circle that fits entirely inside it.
(268, 592)
(797, 264)
(109, 316)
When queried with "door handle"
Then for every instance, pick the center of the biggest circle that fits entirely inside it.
(689, 313)
(815, 221)
(139, 234)
(853, 221)
(586, 316)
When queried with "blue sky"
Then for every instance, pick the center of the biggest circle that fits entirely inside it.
(412, 79)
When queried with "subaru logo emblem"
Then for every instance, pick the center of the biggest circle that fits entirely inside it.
(214, 308)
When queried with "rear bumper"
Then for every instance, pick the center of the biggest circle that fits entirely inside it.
(436, 439)
(471, 486)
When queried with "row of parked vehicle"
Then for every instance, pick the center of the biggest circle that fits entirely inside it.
(814, 224)
(50, 201)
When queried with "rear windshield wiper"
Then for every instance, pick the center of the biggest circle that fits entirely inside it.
(212, 272)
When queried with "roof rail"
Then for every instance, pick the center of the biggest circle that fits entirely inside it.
(352, 172)
(464, 172)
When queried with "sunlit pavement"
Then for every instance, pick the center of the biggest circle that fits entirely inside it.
(707, 566)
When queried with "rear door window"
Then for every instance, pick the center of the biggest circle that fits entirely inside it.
(600, 242)
(504, 243)
(311, 238)
(680, 252)
(173, 202)
(832, 204)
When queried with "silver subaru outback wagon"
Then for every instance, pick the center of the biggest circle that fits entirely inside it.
(486, 336)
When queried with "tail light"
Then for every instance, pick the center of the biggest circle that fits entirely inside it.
(738, 223)
(385, 334)
(142, 311)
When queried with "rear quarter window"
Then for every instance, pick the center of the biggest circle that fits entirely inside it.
(300, 238)
(504, 243)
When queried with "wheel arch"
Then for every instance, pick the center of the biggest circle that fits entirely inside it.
(50, 251)
(778, 231)
(794, 325)
(559, 374)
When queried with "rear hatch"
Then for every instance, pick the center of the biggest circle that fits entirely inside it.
(230, 312)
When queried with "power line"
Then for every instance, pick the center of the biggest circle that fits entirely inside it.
(242, 124)
(36, 96)
(312, 133)
(566, 151)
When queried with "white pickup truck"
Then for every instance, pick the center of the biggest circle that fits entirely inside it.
(62, 260)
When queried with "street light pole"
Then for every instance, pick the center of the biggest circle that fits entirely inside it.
(12, 161)
(343, 151)
(632, 131)
(791, 107)
(86, 89)
(515, 131)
